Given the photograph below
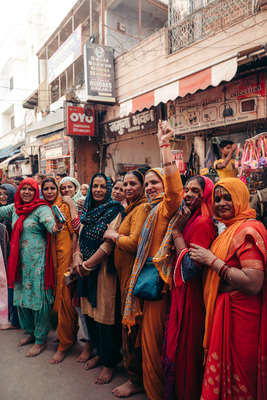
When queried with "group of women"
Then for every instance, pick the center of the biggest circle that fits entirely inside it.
(202, 336)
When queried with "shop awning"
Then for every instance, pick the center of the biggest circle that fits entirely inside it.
(52, 122)
(4, 164)
(181, 86)
(9, 151)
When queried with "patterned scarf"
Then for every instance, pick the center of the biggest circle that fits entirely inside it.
(11, 190)
(163, 259)
(95, 221)
(77, 196)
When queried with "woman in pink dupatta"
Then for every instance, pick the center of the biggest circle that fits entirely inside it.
(183, 352)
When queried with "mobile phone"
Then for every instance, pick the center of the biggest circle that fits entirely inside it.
(59, 214)
(69, 279)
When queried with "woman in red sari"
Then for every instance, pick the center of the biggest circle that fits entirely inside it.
(183, 352)
(235, 296)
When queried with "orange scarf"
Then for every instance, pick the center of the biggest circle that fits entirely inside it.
(220, 247)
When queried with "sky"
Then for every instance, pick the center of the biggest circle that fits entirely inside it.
(17, 11)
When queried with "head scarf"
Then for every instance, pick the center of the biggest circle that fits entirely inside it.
(220, 247)
(163, 260)
(95, 220)
(58, 199)
(77, 196)
(140, 199)
(23, 210)
(204, 211)
(11, 190)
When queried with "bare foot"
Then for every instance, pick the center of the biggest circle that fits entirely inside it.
(94, 362)
(86, 353)
(36, 349)
(27, 340)
(57, 357)
(127, 389)
(8, 325)
(105, 376)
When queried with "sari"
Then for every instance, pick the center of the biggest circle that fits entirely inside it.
(235, 339)
(156, 242)
(61, 247)
(182, 356)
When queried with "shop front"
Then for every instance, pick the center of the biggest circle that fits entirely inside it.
(54, 153)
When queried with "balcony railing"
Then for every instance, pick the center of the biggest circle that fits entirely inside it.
(190, 20)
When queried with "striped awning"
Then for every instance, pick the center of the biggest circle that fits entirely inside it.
(181, 86)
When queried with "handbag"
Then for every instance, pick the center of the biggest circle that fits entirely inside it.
(149, 284)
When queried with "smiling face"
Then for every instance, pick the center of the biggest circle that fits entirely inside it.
(99, 189)
(153, 185)
(27, 193)
(132, 187)
(193, 192)
(68, 189)
(118, 192)
(224, 206)
(3, 197)
(49, 192)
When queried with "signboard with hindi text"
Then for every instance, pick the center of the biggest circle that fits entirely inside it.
(99, 73)
(240, 100)
(138, 122)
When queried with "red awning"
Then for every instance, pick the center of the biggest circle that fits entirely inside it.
(181, 86)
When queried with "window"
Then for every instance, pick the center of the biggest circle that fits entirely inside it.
(11, 83)
(12, 122)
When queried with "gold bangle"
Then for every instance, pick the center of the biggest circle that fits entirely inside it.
(84, 266)
(169, 163)
(77, 252)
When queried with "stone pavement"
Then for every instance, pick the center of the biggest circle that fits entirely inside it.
(23, 378)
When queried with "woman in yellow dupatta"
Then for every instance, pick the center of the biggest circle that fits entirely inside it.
(235, 297)
(164, 190)
(62, 246)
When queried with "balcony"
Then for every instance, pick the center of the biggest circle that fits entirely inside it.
(194, 20)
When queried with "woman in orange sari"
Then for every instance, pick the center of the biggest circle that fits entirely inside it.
(235, 296)
(62, 246)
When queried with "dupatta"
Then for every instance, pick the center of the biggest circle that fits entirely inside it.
(95, 221)
(162, 260)
(220, 248)
(78, 195)
(23, 210)
(186, 316)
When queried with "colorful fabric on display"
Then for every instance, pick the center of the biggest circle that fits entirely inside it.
(23, 210)
(185, 323)
(163, 259)
(78, 195)
(241, 230)
(95, 220)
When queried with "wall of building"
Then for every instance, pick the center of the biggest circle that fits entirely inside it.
(148, 64)
(86, 158)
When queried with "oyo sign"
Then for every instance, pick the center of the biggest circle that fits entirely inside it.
(80, 122)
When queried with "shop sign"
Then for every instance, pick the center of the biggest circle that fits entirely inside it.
(80, 121)
(144, 121)
(99, 73)
(54, 146)
(238, 101)
(67, 53)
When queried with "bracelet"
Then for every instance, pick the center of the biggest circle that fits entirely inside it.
(164, 145)
(169, 163)
(213, 261)
(58, 230)
(115, 238)
(180, 251)
(77, 252)
(223, 271)
(177, 236)
(84, 266)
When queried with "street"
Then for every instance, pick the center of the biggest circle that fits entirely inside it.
(23, 378)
